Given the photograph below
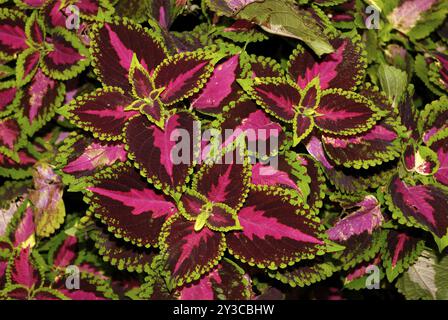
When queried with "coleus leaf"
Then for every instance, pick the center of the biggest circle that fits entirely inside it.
(27, 65)
(66, 253)
(433, 118)
(92, 287)
(67, 57)
(138, 11)
(278, 17)
(425, 279)
(422, 69)
(9, 97)
(420, 159)
(305, 273)
(439, 146)
(220, 89)
(407, 16)
(120, 254)
(277, 96)
(131, 210)
(409, 116)
(165, 12)
(366, 218)
(359, 248)
(394, 82)
(401, 251)
(17, 169)
(241, 31)
(11, 137)
(57, 11)
(101, 112)
(227, 281)
(282, 177)
(345, 113)
(12, 33)
(157, 154)
(260, 66)
(182, 75)
(39, 101)
(48, 205)
(30, 4)
(113, 46)
(24, 233)
(35, 30)
(21, 270)
(344, 68)
(379, 144)
(80, 158)
(317, 185)
(343, 180)
(224, 178)
(298, 175)
(7, 213)
(270, 221)
(263, 136)
(438, 73)
(188, 254)
(358, 277)
(423, 206)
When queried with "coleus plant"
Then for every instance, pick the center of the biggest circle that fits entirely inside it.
(126, 105)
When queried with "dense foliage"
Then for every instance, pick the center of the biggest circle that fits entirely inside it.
(117, 172)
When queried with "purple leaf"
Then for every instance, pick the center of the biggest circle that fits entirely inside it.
(367, 217)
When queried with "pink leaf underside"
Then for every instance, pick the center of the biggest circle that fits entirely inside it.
(367, 218)
(39, 87)
(270, 176)
(96, 155)
(314, 147)
(405, 16)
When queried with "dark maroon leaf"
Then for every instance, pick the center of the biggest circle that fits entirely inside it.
(125, 203)
(274, 233)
